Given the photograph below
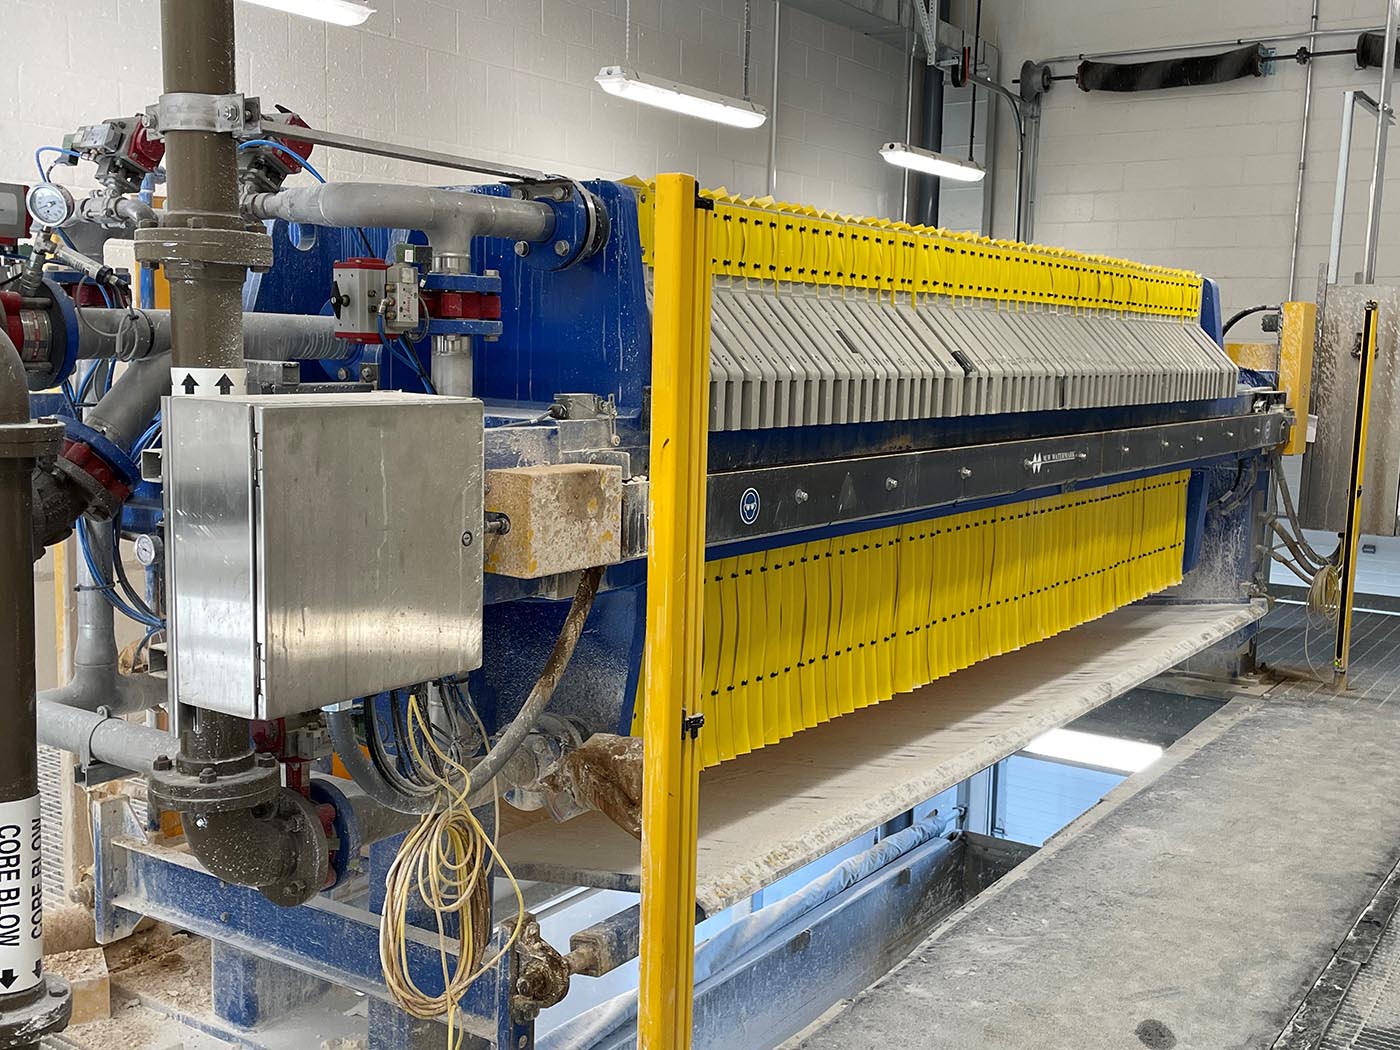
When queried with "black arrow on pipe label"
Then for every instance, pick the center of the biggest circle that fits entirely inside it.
(189, 383)
(225, 384)
(38, 967)
(8, 977)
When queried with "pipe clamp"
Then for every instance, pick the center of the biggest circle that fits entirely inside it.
(195, 111)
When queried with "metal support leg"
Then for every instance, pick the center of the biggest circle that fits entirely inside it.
(248, 990)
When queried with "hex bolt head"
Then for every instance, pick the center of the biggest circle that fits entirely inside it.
(800, 495)
(561, 248)
(522, 248)
(964, 472)
(162, 763)
(208, 775)
(891, 484)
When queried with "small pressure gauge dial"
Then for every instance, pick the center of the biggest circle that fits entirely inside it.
(50, 204)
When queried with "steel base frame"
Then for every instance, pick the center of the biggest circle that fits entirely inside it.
(260, 947)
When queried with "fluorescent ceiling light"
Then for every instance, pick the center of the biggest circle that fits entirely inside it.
(1091, 749)
(667, 94)
(337, 12)
(906, 156)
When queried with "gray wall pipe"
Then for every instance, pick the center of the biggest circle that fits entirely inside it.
(128, 408)
(86, 733)
(96, 681)
(450, 218)
(266, 337)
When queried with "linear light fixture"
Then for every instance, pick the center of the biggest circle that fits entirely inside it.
(1093, 749)
(904, 155)
(337, 12)
(680, 98)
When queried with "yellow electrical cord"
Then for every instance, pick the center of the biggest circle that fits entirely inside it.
(446, 861)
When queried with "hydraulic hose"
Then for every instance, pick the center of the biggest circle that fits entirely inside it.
(1236, 318)
(484, 772)
(379, 788)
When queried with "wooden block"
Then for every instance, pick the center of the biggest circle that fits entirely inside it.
(563, 518)
(86, 972)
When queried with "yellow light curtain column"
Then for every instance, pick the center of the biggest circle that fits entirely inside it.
(675, 612)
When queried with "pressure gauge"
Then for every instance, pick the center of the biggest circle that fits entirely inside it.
(50, 204)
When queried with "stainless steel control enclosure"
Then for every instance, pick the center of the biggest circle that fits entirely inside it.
(321, 547)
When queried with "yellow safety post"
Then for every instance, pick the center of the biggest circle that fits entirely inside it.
(675, 611)
(1351, 538)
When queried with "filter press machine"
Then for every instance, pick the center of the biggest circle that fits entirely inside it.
(478, 521)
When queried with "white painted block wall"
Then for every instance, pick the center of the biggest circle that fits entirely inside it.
(510, 79)
(1205, 177)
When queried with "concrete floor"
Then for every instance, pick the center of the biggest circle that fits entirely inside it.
(1191, 910)
(1197, 905)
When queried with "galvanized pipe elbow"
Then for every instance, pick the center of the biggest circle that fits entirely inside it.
(450, 218)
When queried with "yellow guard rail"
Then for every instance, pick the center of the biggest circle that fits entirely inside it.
(675, 612)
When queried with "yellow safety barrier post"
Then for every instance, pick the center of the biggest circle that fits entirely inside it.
(1351, 538)
(675, 612)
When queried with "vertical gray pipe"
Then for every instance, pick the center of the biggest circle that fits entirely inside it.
(931, 138)
(206, 301)
(773, 102)
(1302, 155)
(931, 130)
(1373, 207)
(454, 357)
(906, 211)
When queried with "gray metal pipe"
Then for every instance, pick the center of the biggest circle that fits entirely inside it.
(450, 218)
(773, 101)
(96, 680)
(266, 337)
(1302, 155)
(206, 287)
(1014, 101)
(1209, 45)
(128, 408)
(931, 138)
(1373, 207)
(127, 745)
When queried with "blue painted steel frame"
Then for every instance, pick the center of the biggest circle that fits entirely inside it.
(328, 939)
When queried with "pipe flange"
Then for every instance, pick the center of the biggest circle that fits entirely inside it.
(307, 838)
(198, 247)
(32, 439)
(47, 1011)
(210, 789)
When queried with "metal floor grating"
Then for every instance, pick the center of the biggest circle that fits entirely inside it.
(1300, 647)
(1369, 1015)
(51, 812)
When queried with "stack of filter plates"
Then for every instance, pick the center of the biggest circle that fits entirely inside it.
(800, 355)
